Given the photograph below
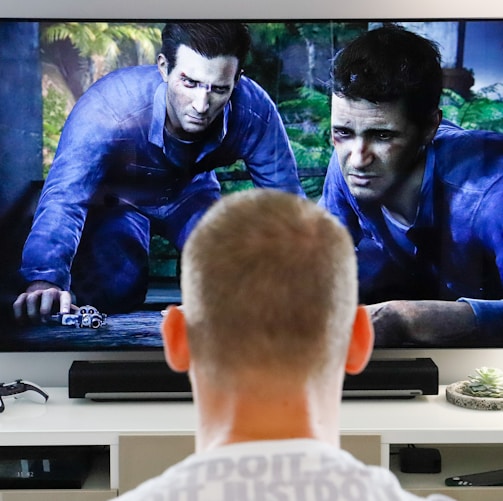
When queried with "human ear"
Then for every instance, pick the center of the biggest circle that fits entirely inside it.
(239, 74)
(431, 129)
(361, 344)
(162, 66)
(174, 336)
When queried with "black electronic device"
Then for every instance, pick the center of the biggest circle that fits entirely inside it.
(45, 467)
(420, 460)
(22, 389)
(394, 378)
(42, 83)
(42, 57)
(127, 380)
(153, 380)
(486, 478)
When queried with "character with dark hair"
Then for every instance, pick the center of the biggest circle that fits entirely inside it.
(137, 155)
(420, 196)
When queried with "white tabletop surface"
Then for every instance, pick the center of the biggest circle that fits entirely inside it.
(426, 419)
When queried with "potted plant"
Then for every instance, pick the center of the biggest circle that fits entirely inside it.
(483, 390)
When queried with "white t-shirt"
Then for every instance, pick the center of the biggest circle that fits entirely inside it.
(280, 470)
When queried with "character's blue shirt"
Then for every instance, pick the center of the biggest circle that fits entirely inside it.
(114, 150)
(454, 249)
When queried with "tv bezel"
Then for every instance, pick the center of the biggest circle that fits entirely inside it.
(51, 368)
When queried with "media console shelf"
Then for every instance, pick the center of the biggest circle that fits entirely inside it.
(137, 440)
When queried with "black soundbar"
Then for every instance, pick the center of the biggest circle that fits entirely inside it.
(127, 380)
(406, 378)
(153, 380)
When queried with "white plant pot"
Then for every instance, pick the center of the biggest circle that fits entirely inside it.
(454, 396)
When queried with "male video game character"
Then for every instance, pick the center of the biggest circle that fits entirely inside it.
(421, 197)
(136, 155)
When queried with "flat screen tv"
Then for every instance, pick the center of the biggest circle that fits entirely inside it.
(50, 58)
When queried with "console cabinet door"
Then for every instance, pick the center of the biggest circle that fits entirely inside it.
(145, 456)
(366, 448)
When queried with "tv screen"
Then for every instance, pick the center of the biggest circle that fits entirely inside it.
(53, 108)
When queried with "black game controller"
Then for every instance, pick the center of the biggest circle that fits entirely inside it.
(22, 389)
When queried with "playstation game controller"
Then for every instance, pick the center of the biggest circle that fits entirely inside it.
(22, 389)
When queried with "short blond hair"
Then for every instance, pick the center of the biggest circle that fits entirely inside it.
(268, 281)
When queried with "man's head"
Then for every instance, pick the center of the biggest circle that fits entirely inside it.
(386, 88)
(269, 284)
(201, 63)
(391, 64)
(209, 39)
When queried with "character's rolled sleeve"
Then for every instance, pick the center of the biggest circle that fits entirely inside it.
(489, 318)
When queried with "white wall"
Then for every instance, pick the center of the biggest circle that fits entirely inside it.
(51, 369)
(258, 9)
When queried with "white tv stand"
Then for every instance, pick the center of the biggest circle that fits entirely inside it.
(140, 439)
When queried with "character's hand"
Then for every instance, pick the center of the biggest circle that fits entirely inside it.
(40, 300)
